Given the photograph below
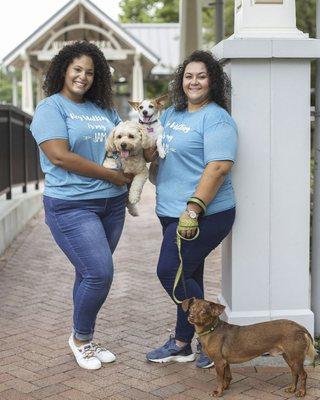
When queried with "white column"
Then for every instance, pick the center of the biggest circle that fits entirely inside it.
(265, 271)
(137, 85)
(315, 248)
(27, 92)
(190, 27)
(39, 93)
(14, 90)
(14, 83)
(137, 79)
(11, 71)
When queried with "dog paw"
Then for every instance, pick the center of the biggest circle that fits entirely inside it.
(110, 163)
(290, 389)
(216, 393)
(132, 209)
(162, 153)
(226, 386)
(300, 393)
(134, 198)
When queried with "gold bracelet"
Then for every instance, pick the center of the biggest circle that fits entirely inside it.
(199, 202)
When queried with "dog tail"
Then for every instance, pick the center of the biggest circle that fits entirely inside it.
(311, 352)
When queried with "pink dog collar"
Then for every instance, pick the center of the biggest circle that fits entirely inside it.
(150, 130)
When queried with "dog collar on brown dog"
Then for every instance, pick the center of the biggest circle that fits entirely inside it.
(211, 329)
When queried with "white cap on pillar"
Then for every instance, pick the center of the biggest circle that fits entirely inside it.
(266, 19)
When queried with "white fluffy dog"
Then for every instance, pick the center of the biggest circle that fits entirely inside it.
(124, 147)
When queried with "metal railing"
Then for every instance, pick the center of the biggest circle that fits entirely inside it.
(19, 155)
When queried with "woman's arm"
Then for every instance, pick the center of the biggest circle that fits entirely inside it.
(210, 182)
(59, 154)
(150, 154)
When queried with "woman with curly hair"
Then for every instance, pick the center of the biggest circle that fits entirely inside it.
(194, 189)
(84, 202)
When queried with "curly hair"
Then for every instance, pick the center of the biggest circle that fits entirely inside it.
(100, 92)
(219, 83)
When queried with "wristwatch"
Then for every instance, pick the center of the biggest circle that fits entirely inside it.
(192, 214)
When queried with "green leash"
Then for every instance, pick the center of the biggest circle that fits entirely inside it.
(183, 223)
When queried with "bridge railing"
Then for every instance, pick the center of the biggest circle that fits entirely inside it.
(19, 155)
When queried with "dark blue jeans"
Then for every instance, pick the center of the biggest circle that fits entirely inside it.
(213, 229)
(87, 231)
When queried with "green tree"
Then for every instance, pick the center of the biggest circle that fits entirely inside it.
(135, 11)
(168, 11)
(306, 16)
(208, 22)
(5, 88)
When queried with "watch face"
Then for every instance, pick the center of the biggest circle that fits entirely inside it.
(192, 214)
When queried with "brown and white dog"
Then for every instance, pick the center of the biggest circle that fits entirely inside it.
(149, 112)
(124, 147)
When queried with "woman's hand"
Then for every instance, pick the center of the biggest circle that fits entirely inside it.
(184, 221)
(118, 177)
(150, 154)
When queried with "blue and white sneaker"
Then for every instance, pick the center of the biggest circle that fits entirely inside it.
(203, 361)
(171, 352)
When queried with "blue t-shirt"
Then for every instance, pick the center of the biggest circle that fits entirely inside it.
(86, 127)
(192, 140)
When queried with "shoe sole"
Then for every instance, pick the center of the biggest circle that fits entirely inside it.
(207, 366)
(86, 367)
(189, 358)
(107, 362)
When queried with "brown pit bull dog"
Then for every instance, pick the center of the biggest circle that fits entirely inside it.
(232, 344)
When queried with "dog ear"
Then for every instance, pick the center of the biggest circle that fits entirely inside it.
(146, 140)
(186, 304)
(217, 308)
(110, 147)
(134, 104)
(161, 101)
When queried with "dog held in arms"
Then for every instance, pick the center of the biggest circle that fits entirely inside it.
(149, 111)
(125, 146)
(232, 344)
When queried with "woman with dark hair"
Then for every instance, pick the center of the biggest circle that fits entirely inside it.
(194, 189)
(84, 202)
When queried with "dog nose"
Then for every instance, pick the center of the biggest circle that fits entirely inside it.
(123, 145)
(145, 112)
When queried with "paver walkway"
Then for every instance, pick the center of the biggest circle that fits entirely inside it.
(35, 318)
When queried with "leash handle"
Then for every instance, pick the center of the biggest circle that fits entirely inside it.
(179, 273)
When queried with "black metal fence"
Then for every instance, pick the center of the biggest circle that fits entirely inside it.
(19, 155)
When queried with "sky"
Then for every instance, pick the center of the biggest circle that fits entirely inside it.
(20, 18)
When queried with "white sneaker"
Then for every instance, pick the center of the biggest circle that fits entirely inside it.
(84, 355)
(102, 354)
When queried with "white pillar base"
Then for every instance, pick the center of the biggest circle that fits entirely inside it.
(304, 317)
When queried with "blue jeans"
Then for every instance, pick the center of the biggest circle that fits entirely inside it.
(213, 229)
(87, 231)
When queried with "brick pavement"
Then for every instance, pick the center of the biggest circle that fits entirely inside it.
(35, 319)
